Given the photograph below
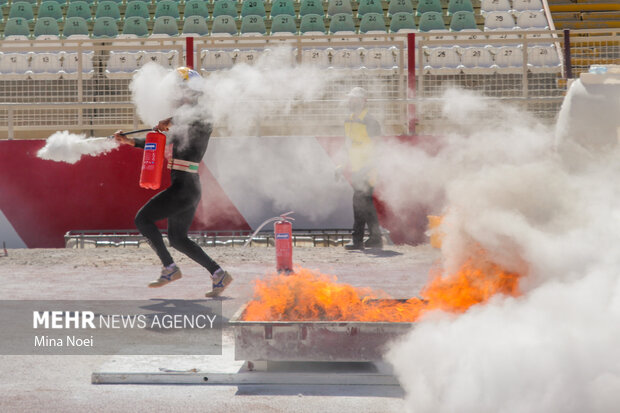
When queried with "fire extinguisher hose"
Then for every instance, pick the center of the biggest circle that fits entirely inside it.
(283, 217)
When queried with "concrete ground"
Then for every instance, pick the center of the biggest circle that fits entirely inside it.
(63, 383)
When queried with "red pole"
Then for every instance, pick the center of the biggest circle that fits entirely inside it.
(189, 52)
(411, 115)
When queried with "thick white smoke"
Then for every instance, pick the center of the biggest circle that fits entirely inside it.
(69, 147)
(505, 188)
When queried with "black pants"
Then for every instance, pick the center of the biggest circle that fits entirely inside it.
(178, 203)
(364, 213)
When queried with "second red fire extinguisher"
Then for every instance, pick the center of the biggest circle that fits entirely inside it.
(283, 230)
(153, 160)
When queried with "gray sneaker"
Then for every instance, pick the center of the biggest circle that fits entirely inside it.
(219, 284)
(167, 276)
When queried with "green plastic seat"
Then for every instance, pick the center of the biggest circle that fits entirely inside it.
(108, 8)
(75, 26)
(311, 7)
(283, 23)
(431, 20)
(46, 26)
(62, 3)
(372, 22)
(166, 25)
(16, 26)
(21, 9)
(369, 6)
(279, 7)
(459, 5)
(253, 8)
(253, 25)
(196, 8)
(428, 5)
(224, 24)
(402, 21)
(312, 23)
(136, 26)
(463, 20)
(79, 8)
(90, 2)
(105, 27)
(399, 6)
(195, 25)
(339, 7)
(225, 8)
(50, 9)
(342, 22)
(137, 9)
(168, 8)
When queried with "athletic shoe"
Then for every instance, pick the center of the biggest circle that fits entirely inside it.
(354, 246)
(374, 242)
(221, 279)
(168, 274)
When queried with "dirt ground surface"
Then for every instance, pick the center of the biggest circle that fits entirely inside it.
(63, 383)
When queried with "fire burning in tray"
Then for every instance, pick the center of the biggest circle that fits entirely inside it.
(310, 296)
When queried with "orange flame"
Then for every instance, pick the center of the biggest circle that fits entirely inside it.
(310, 296)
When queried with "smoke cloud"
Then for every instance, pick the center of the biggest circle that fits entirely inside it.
(69, 147)
(501, 185)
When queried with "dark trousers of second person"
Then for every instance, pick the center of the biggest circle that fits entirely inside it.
(364, 213)
(178, 203)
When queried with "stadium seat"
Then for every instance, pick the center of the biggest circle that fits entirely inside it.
(122, 65)
(75, 26)
(253, 25)
(248, 56)
(431, 20)
(527, 5)
(508, 59)
(136, 26)
(70, 65)
(253, 8)
(402, 22)
(487, 6)
(167, 8)
(498, 20)
(372, 23)
(346, 58)
(379, 58)
(21, 9)
(16, 26)
(399, 6)
(108, 8)
(369, 6)
(459, 5)
(312, 23)
(196, 25)
(280, 7)
(50, 9)
(45, 66)
(196, 8)
(14, 66)
(213, 60)
(225, 8)
(316, 57)
(46, 26)
(137, 9)
(166, 25)
(105, 27)
(283, 24)
(61, 2)
(79, 8)
(311, 7)
(543, 59)
(335, 7)
(463, 20)
(532, 20)
(342, 23)
(224, 25)
(477, 60)
(442, 61)
(425, 6)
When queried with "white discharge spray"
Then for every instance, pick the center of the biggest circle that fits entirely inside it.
(69, 147)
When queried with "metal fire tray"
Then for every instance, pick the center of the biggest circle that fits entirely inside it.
(325, 341)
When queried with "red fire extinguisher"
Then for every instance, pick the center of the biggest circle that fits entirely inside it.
(283, 230)
(153, 160)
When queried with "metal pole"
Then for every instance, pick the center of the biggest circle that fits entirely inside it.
(189, 52)
(411, 80)
(568, 64)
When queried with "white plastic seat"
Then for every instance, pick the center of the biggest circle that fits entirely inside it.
(469, 34)
(14, 66)
(525, 5)
(532, 20)
(167, 59)
(440, 35)
(379, 58)
(488, 6)
(122, 65)
(443, 61)
(477, 60)
(543, 59)
(317, 57)
(45, 66)
(508, 59)
(247, 56)
(346, 58)
(216, 60)
(499, 20)
(70, 65)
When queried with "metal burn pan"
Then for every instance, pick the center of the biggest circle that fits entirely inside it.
(325, 341)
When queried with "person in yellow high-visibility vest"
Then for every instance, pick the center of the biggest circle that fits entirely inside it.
(361, 131)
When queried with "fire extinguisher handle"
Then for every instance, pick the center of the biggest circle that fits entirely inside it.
(131, 132)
